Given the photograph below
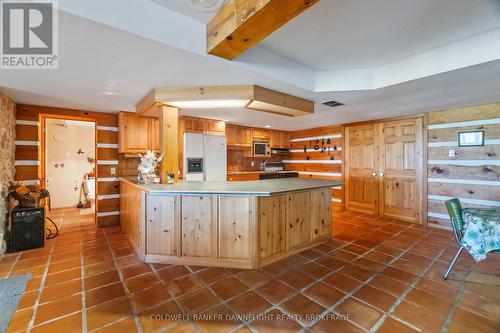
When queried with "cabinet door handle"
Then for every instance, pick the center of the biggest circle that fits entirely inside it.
(381, 174)
(374, 174)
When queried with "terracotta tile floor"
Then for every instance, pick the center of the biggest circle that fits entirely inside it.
(375, 275)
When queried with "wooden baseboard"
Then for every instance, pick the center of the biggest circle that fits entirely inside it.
(199, 261)
(228, 263)
(292, 251)
(136, 248)
(107, 221)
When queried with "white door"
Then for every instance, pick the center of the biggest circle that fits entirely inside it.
(215, 158)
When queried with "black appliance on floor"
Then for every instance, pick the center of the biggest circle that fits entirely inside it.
(27, 229)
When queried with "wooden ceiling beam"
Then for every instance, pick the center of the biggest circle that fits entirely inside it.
(241, 24)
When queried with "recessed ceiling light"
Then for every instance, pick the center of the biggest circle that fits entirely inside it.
(205, 5)
(110, 93)
(209, 104)
(267, 126)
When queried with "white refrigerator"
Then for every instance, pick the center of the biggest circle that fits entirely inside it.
(205, 157)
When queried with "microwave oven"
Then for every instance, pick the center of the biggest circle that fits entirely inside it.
(261, 149)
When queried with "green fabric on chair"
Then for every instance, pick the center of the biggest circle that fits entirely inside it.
(457, 223)
(474, 241)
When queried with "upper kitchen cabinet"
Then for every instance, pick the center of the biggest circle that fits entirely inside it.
(137, 134)
(260, 133)
(244, 136)
(231, 135)
(200, 125)
(217, 127)
(280, 139)
(194, 125)
(238, 136)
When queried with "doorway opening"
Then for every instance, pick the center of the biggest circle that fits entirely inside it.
(69, 170)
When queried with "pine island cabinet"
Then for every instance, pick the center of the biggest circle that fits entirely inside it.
(225, 224)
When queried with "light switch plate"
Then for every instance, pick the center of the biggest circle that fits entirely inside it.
(252, 163)
(451, 153)
(113, 171)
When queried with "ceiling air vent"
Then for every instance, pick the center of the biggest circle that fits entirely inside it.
(333, 103)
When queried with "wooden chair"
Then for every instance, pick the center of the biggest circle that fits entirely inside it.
(457, 223)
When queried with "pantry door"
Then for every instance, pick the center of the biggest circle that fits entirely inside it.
(400, 169)
(361, 164)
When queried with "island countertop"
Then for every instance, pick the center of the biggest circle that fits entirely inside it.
(253, 188)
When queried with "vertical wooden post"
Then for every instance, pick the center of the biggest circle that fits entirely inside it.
(169, 127)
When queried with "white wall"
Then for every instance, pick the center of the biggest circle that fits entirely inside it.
(64, 183)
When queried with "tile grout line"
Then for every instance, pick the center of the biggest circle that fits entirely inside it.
(13, 264)
(366, 281)
(174, 298)
(370, 249)
(42, 286)
(221, 301)
(254, 289)
(458, 298)
(407, 291)
(110, 323)
(363, 283)
(305, 326)
(316, 280)
(46, 274)
(204, 284)
(295, 291)
(122, 280)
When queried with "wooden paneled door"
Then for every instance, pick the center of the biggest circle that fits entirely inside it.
(361, 165)
(383, 169)
(400, 169)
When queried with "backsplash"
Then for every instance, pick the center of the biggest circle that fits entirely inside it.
(238, 160)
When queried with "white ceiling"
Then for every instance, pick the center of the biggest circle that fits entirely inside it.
(470, 86)
(182, 7)
(340, 34)
(109, 62)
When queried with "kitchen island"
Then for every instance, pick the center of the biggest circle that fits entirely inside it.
(240, 224)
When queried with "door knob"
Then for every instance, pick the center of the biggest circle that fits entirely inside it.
(382, 174)
(374, 174)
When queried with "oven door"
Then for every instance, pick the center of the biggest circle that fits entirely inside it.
(261, 149)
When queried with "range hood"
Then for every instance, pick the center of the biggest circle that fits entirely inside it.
(248, 96)
(279, 150)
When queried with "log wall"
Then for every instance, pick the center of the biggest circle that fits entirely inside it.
(28, 149)
(473, 173)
